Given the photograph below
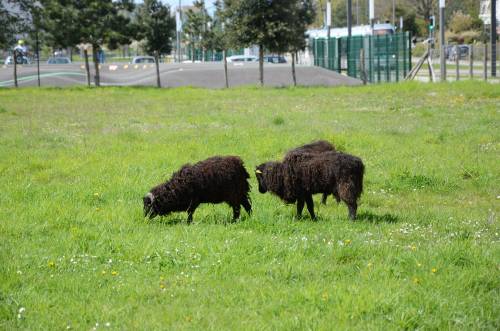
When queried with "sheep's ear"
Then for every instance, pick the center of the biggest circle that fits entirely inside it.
(258, 171)
(149, 197)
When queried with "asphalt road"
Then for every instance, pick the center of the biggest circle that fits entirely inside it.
(208, 75)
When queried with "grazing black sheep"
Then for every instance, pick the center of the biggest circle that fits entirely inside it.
(214, 180)
(302, 175)
(319, 146)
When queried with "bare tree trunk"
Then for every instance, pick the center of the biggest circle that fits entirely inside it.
(193, 50)
(87, 67)
(293, 70)
(15, 68)
(97, 78)
(158, 82)
(225, 68)
(261, 65)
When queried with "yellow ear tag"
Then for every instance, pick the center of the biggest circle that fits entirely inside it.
(258, 171)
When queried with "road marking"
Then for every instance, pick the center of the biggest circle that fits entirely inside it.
(34, 77)
(125, 66)
(113, 67)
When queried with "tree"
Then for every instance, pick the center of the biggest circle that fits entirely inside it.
(216, 38)
(157, 27)
(196, 25)
(95, 22)
(273, 25)
(9, 23)
(302, 15)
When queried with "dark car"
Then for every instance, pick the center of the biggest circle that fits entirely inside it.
(274, 59)
(454, 51)
(58, 60)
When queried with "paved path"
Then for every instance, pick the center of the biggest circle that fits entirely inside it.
(209, 75)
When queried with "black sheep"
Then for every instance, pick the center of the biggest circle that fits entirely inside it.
(214, 180)
(302, 175)
(319, 146)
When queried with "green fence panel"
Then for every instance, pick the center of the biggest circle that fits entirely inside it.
(387, 57)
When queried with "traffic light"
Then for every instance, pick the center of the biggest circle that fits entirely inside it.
(432, 22)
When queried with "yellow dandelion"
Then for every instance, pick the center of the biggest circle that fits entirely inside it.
(416, 280)
(369, 265)
(162, 278)
(347, 241)
(114, 273)
(419, 265)
(162, 286)
(103, 272)
(189, 318)
(97, 209)
(96, 194)
(51, 264)
(413, 248)
(324, 296)
(434, 270)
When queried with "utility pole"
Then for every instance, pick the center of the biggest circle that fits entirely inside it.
(372, 13)
(493, 38)
(442, 56)
(328, 27)
(178, 19)
(349, 18)
(394, 13)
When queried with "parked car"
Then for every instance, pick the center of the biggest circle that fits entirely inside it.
(58, 60)
(454, 51)
(143, 59)
(274, 59)
(242, 58)
(20, 60)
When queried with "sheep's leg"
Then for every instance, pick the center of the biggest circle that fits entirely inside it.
(236, 211)
(300, 207)
(190, 211)
(246, 204)
(353, 206)
(336, 196)
(310, 206)
(325, 196)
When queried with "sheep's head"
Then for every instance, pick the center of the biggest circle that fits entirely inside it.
(149, 206)
(259, 173)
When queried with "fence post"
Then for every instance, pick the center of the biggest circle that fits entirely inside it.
(387, 71)
(14, 56)
(397, 37)
(457, 61)
(404, 54)
(485, 64)
(471, 61)
(339, 57)
(87, 67)
(362, 65)
(378, 58)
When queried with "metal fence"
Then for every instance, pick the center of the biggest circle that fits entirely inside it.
(385, 58)
(209, 55)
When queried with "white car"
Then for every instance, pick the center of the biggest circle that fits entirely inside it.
(143, 59)
(242, 58)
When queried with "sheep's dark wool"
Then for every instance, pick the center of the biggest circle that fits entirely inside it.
(214, 180)
(319, 146)
(304, 174)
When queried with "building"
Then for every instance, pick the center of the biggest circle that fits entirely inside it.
(485, 11)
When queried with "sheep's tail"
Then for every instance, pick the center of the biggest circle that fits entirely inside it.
(360, 171)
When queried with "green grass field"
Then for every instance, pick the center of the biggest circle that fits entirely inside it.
(76, 252)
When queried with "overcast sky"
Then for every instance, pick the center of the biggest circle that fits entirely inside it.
(175, 3)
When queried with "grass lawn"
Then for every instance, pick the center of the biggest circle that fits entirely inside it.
(76, 252)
